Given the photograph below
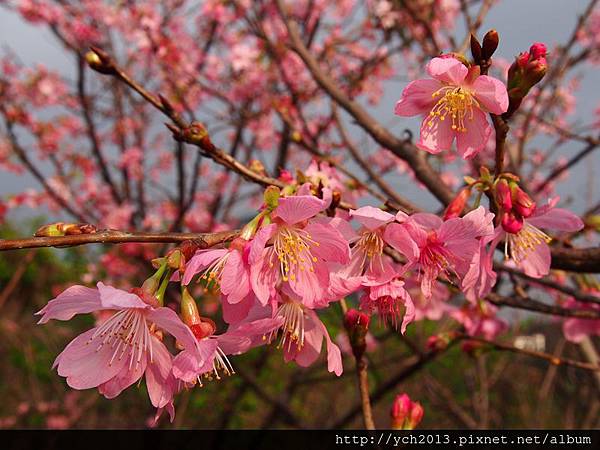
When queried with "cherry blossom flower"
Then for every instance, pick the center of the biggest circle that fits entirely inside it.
(302, 333)
(528, 246)
(296, 251)
(387, 299)
(229, 270)
(454, 102)
(116, 353)
(211, 361)
(435, 247)
(367, 259)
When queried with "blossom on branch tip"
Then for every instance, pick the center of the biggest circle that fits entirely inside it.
(454, 103)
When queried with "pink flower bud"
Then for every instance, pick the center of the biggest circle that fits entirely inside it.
(537, 50)
(511, 222)
(456, 207)
(400, 411)
(416, 415)
(504, 195)
(523, 204)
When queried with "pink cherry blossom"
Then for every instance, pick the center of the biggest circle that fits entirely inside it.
(387, 299)
(303, 333)
(229, 270)
(116, 353)
(434, 247)
(367, 259)
(454, 102)
(528, 248)
(296, 251)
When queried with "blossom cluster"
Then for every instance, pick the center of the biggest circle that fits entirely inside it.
(289, 263)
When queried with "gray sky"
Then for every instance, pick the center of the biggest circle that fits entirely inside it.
(519, 22)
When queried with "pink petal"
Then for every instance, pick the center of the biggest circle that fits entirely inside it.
(235, 281)
(557, 219)
(112, 298)
(370, 217)
(259, 242)
(426, 220)
(436, 135)
(409, 312)
(168, 320)
(236, 312)
(491, 93)
(311, 286)
(200, 261)
(264, 276)
(298, 208)
(331, 245)
(576, 330)
(417, 98)
(537, 262)
(75, 300)
(448, 70)
(113, 387)
(85, 365)
(473, 225)
(160, 390)
(472, 141)
(397, 235)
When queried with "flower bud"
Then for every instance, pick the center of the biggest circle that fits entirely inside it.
(457, 206)
(490, 44)
(271, 197)
(357, 325)
(400, 411)
(537, 50)
(504, 195)
(523, 204)
(176, 260)
(99, 61)
(189, 309)
(405, 413)
(416, 415)
(511, 222)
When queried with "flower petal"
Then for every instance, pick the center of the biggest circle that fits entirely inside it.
(436, 135)
(491, 93)
(474, 139)
(200, 261)
(75, 300)
(113, 298)
(448, 70)
(417, 98)
(370, 217)
(298, 208)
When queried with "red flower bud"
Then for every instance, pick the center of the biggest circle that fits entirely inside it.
(537, 50)
(400, 411)
(416, 415)
(456, 206)
(405, 413)
(504, 195)
(357, 325)
(511, 222)
(523, 204)
(355, 320)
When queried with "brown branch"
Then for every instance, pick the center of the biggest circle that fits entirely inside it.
(363, 386)
(537, 306)
(203, 240)
(540, 355)
(575, 293)
(586, 260)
